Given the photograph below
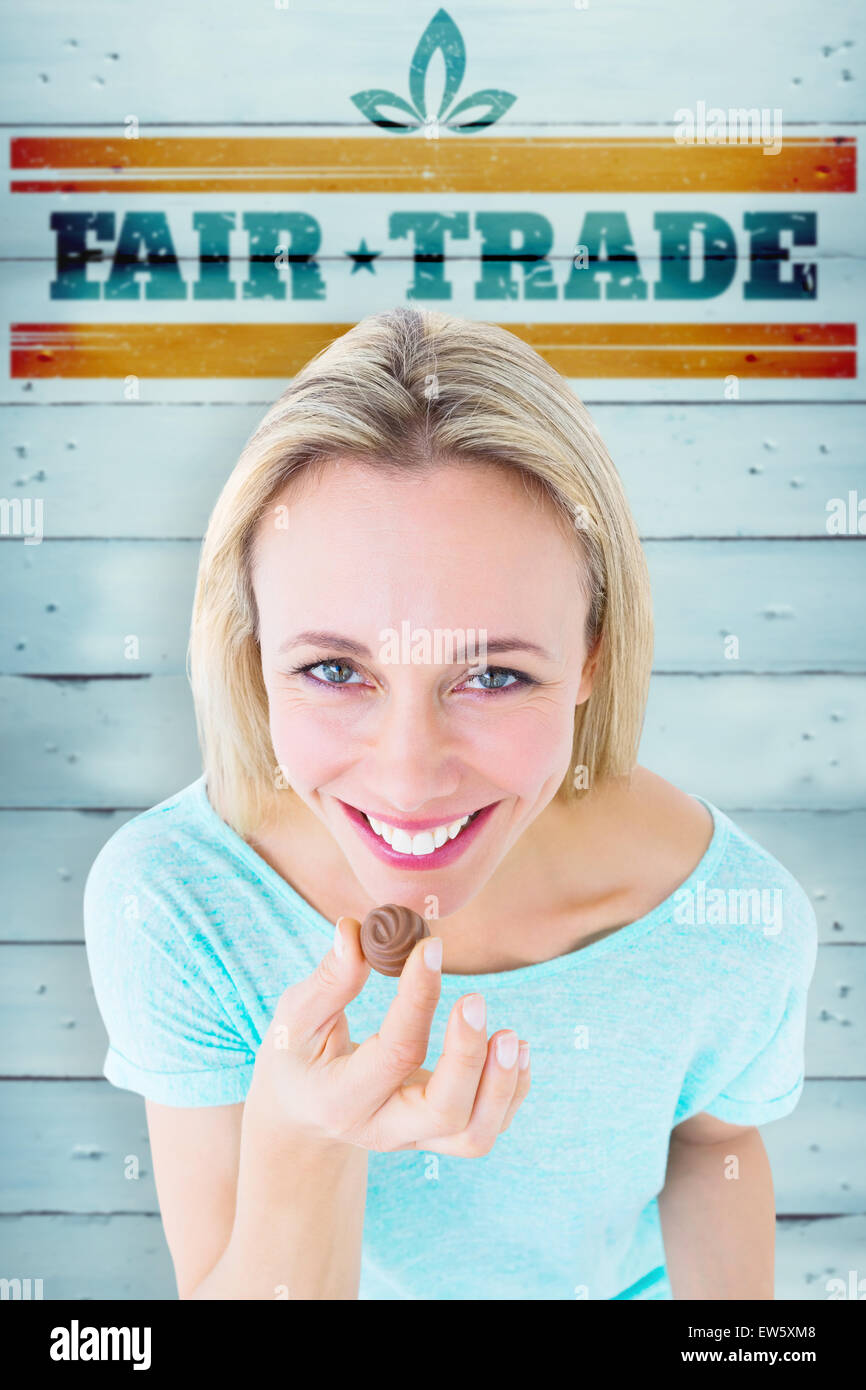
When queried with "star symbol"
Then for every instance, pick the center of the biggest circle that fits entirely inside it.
(363, 257)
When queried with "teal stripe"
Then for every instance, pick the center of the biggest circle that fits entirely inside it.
(634, 1289)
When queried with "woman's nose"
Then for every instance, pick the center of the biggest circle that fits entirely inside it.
(412, 759)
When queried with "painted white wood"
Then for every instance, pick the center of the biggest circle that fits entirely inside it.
(816, 1153)
(835, 1033)
(744, 742)
(759, 741)
(300, 62)
(57, 1031)
(105, 744)
(792, 606)
(658, 392)
(74, 1146)
(812, 1254)
(45, 857)
(50, 1023)
(89, 1257)
(153, 471)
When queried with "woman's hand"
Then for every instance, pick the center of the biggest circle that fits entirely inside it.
(312, 1083)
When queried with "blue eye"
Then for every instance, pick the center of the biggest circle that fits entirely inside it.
(499, 675)
(340, 666)
(492, 678)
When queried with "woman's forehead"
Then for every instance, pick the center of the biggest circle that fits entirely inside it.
(447, 503)
(445, 551)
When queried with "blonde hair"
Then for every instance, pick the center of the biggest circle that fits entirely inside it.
(410, 389)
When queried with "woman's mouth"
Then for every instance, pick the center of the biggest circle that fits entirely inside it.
(425, 841)
(433, 847)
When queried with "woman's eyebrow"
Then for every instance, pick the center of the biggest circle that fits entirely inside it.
(319, 637)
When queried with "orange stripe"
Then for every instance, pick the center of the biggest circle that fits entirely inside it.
(701, 334)
(552, 334)
(401, 164)
(279, 350)
(692, 363)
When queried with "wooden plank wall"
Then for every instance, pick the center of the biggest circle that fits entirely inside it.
(730, 496)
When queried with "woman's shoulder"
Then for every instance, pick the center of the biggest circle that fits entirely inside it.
(158, 868)
(747, 886)
(159, 894)
(150, 844)
(730, 880)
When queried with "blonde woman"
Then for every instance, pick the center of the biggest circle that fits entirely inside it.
(548, 1102)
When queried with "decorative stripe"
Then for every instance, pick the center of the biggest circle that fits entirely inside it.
(634, 1289)
(406, 164)
(577, 350)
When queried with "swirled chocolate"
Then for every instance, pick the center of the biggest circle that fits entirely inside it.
(388, 935)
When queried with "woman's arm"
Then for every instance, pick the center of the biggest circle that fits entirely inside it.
(248, 1215)
(195, 1154)
(718, 1212)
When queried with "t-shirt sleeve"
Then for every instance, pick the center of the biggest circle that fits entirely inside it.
(772, 1082)
(769, 1083)
(158, 993)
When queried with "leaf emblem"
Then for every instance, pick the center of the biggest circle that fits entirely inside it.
(497, 103)
(370, 104)
(441, 33)
(443, 36)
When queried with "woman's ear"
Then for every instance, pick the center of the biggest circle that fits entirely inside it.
(590, 669)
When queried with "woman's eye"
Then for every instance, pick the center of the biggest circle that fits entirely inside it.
(337, 672)
(496, 678)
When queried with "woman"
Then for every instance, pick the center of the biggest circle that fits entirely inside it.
(420, 653)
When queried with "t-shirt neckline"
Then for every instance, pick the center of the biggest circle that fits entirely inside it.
(623, 936)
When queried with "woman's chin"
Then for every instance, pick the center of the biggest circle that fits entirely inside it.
(428, 905)
(411, 889)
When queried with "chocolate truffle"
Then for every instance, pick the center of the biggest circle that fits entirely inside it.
(388, 935)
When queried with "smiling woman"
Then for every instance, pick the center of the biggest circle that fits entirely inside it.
(435, 478)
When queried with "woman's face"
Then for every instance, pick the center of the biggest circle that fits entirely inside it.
(370, 582)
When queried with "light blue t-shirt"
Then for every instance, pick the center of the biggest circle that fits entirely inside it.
(698, 1006)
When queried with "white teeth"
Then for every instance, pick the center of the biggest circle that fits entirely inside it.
(424, 842)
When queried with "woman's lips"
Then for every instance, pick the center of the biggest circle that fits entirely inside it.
(446, 854)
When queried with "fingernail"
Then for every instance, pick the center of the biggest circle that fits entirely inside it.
(474, 1011)
(506, 1049)
(433, 953)
(338, 940)
(523, 1056)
